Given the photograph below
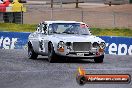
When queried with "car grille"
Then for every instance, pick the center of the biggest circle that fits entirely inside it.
(81, 46)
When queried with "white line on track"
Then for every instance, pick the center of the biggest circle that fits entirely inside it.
(118, 69)
(35, 71)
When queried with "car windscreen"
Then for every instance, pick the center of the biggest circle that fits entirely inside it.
(69, 28)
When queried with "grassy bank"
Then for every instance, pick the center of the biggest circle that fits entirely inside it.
(112, 32)
(17, 27)
(95, 31)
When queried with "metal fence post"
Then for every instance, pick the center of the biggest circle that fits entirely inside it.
(21, 16)
(128, 24)
(51, 17)
(51, 3)
(77, 4)
(82, 15)
(61, 3)
(114, 19)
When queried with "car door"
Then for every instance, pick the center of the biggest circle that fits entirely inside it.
(43, 39)
(34, 37)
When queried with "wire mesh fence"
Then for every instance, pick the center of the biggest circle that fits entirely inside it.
(93, 18)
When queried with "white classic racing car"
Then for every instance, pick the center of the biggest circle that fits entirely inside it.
(65, 39)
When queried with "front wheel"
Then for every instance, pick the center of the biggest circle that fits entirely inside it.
(51, 53)
(99, 59)
(31, 53)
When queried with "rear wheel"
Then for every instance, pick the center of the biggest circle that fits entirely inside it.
(31, 53)
(51, 53)
(99, 59)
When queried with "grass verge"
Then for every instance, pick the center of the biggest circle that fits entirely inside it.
(95, 31)
(112, 32)
(17, 27)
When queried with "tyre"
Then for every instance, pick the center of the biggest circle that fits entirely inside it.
(99, 59)
(31, 53)
(17, 17)
(6, 18)
(51, 53)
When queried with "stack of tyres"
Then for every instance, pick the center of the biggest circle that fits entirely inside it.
(13, 17)
(12, 12)
(130, 1)
(17, 9)
(18, 17)
(3, 10)
(6, 17)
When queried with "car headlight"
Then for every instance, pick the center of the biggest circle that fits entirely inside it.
(95, 45)
(61, 44)
(102, 45)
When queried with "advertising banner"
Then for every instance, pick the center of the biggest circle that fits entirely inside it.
(114, 45)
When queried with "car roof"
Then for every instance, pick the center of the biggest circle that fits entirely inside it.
(50, 22)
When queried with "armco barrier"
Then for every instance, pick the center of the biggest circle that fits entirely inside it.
(114, 45)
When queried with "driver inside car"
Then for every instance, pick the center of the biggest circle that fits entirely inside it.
(54, 28)
(72, 30)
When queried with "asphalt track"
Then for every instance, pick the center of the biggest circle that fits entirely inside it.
(17, 71)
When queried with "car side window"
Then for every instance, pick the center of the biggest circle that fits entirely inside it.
(50, 29)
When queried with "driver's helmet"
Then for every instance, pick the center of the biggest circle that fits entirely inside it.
(55, 27)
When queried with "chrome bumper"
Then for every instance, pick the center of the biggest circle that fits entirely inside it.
(80, 54)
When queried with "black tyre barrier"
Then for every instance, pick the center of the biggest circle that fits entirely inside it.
(17, 17)
(5, 18)
(13, 17)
